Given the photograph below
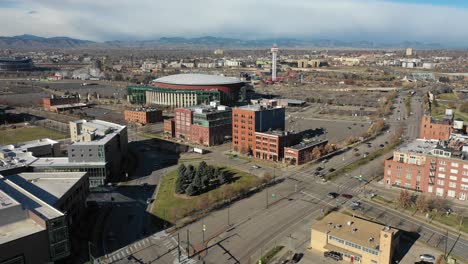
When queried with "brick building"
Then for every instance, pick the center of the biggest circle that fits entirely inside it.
(206, 124)
(247, 120)
(270, 145)
(143, 115)
(61, 103)
(169, 128)
(436, 129)
(302, 153)
(429, 167)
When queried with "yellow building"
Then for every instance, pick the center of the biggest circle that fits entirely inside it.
(356, 239)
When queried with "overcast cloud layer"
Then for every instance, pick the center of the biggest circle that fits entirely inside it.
(99, 20)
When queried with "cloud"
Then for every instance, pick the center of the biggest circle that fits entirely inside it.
(375, 20)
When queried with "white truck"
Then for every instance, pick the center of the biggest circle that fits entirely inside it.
(199, 150)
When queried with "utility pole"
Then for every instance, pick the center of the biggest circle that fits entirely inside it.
(178, 245)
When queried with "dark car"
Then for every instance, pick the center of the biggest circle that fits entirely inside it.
(317, 173)
(297, 257)
(319, 169)
(333, 255)
(347, 196)
(331, 169)
(381, 145)
(333, 195)
(356, 149)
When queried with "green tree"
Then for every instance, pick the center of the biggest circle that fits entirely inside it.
(180, 184)
(464, 107)
(191, 172)
(181, 170)
(191, 190)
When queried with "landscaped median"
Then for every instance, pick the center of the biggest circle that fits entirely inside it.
(352, 166)
(171, 206)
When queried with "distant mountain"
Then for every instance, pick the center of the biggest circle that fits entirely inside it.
(31, 42)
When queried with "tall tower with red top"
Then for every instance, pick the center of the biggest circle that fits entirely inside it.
(274, 54)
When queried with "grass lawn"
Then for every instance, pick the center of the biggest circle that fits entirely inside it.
(171, 207)
(447, 96)
(13, 136)
(270, 254)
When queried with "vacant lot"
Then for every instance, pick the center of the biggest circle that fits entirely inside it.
(171, 207)
(13, 136)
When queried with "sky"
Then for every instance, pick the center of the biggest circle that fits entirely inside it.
(382, 21)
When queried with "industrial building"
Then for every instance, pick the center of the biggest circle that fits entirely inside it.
(246, 120)
(169, 128)
(57, 104)
(303, 152)
(143, 115)
(16, 64)
(355, 239)
(430, 166)
(32, 230)
(183, 90)
(204, 124)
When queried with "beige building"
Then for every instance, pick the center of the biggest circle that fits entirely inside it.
(409, 52)
(356, 239)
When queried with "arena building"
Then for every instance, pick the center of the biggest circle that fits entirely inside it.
(16, 64)
(183, 90)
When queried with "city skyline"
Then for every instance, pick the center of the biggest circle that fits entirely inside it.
(350, 20)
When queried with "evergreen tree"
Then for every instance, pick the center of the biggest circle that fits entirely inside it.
(180, 184)
(191, 171)
(191, 190)
(197, 183)
(181, 170)
(221, 178)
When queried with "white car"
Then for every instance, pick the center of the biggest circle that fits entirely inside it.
(255, 167)
(427, 257)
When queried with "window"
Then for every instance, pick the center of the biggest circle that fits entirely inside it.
(452, 184)
(441, 176)
(408, 185)
(408, 176)
(442, 169)
(451, 193)
(389, 172)
(398, 174)
(464, 179)
(440, 182)
(442, 162)
(454, 164)
(454, 171)
(465, 166)
(453, 178)
(440, 192)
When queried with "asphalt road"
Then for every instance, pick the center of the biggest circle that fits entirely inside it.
(245, 230)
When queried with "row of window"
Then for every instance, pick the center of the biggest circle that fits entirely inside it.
(354, 245)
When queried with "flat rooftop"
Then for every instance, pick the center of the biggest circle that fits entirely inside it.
(337, 224)
(65, 106)
(305, 145)
(197, 79)
(47, 186)
(19, 229)
(63, 162)
(419, 146)
(258, 107)
(107, 129)
(144, 109)
(15, 157)
(36, 143)
(28, 200)
(274, 133)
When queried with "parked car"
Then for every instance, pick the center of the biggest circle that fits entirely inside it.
(331, 169)
(356, 149)
(297, 257)
(333, 195)
(333, 255)
(381, 145)
(324, 161)
(427, 257)
(255, 167)
(317, 173)
(347, 196)
(355, 203)
(319, 169)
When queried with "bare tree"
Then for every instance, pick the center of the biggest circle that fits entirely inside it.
(422, 203)
(404, 199)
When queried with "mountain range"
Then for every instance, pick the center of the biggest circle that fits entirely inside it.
(31, 42)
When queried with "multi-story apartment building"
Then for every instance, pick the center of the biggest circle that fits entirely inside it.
(247, 120)
(143, 116)
(204, 124)
(436, 129)
(431, 167)
(169, 128)
(355, 239)
(32, 230)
